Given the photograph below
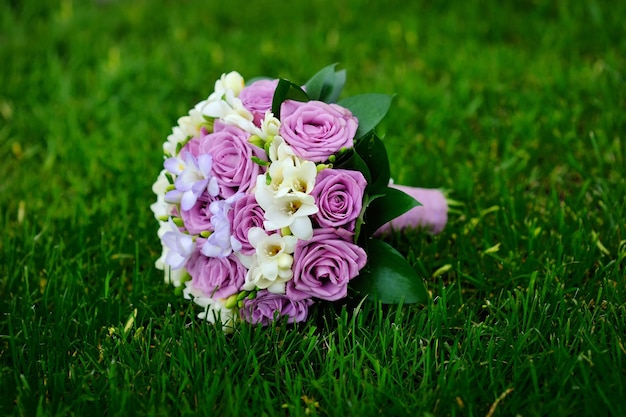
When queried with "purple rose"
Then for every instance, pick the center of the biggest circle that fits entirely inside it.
(315, 130)
(215, 277)
(338, 194)
(232, 164)
(324, 265)
(244, 215)
(262, 308)
(198, 218)
(257, 98)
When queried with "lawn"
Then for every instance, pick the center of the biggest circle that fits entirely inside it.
(517, 109)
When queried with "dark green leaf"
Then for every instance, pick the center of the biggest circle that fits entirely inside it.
(372, 150)
(340, 81)
(389, 277)
(352, 160)
(360, 220)
(286, 90)
(369, 109)
(326, 85)
(321, 83)
(387, 207)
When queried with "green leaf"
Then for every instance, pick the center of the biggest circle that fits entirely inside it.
(322, 82)
(369, 109)
(389, 277)
(360, 221)
(373, 152)
(340, 81)
(326, 84)
(387, 207)
(353, 161)
(286, 90)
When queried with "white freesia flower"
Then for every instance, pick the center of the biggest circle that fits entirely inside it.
(276, 177)
(160, 185)
(270, 125)
(192, 124)
(161, 208)
(288, 173)
(225, 105)
(232, 81)
(279, 150)
(171, 276)
(271, 264)
(300, 176)
(230, 110)
(188, 126)
(214, 308)
(290, 210)
(292, 176)
(242, 122)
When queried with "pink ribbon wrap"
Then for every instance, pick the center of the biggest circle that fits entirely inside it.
(432, 215)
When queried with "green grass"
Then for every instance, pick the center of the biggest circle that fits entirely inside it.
(518, 110)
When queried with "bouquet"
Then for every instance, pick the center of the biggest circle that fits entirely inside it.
(273, 195)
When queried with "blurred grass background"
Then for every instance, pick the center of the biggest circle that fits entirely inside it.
(516, 108)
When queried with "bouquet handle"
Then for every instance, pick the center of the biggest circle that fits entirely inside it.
(432, 215)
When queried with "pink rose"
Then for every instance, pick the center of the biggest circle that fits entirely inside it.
(262, 308)
(338, 194)
(432, 215)
(324, 265)
(315, 130)
(257, 98)
(244, 215)
(232, 164)
(215, 277)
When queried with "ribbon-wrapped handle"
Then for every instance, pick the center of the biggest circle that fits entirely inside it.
(432, 215)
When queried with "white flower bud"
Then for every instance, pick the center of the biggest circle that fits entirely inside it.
(232, 81)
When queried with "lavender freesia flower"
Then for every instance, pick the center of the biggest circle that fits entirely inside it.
(193, 178)
(221, 243)
(180, 246)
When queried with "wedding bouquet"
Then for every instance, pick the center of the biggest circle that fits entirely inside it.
(272, 196)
